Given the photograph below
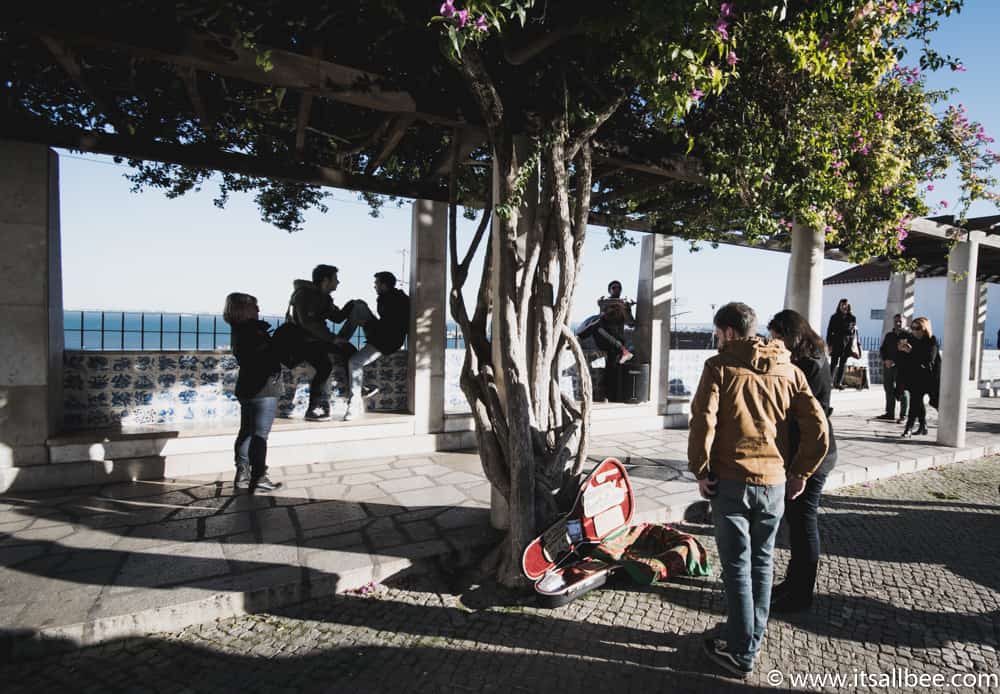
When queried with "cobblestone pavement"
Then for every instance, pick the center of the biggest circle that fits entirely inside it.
(910, 582)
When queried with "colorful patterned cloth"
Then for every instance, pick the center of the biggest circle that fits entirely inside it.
(652, 552)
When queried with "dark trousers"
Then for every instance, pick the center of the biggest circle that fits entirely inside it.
(918, 410)
(890, 376)
(838, 360)
(317, 355)
(256, 417)
(802, 516)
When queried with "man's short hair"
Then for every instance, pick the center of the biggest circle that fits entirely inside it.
(322, 272)
(612, 283)
(899, 316)
(738, 316)
(386, 277)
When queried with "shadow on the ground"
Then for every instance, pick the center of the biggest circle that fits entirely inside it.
(435, 649)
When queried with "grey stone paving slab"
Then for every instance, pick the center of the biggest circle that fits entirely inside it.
(221, 552)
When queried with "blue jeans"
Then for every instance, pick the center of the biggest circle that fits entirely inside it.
(746, 521)
(256, 417)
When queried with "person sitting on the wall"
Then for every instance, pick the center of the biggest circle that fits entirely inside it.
(304, 336)
(839, 339)
(258, 387)
(615, 314)
(384, 334)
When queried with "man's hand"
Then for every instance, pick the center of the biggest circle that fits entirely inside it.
(794, 488)
(888, 364)
(706, 488)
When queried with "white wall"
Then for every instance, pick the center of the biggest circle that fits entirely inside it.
(928, 299)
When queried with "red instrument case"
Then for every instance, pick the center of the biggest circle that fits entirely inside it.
(557, 560)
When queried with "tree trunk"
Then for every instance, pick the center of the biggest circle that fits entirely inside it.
(532, 437)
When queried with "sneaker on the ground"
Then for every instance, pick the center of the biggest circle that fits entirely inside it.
(887, 416)
(716, 651)
(242, 477)
(368, 391)
(264, 484)
(317, 414)
(626, 356)
(900, 420)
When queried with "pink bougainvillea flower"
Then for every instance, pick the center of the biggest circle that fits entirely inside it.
(674, 77)
(448, 9)
(463, 18)
(481, 24)
(915, 7)
(930, 187)
(696, 94)
(722, 27)
(944, 204)
(726, 9)
(959, 68)
(878, 115)
(732, 59)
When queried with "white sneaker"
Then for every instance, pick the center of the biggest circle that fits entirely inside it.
(353, 411)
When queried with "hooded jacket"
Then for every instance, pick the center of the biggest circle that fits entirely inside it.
(740, 415)
(388, 332)
(309, 308)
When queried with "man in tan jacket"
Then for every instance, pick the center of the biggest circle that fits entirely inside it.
(748, 395)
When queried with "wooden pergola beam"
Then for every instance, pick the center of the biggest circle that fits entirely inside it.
(397, 130)
(685, 169)
(290, 70)
(209, 157)
(189, 77)
(66, 59)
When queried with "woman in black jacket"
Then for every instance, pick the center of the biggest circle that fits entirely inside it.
(258, 388)
(918, 355)
(795, 593)
(839, 338)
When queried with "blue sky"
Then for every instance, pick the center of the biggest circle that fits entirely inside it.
(124, 251)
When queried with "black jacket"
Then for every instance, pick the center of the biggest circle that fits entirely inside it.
(839, 331)
(817, 373)
(389, 330)
(309, 308)
(889, 351)
(258, 361)
(919, 369)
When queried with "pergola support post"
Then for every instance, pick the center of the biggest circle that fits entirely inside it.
(979, 331)
(959, 323)
(653, 302)
(899, 299)
(428, 332)
(804, 286)
(31, 308)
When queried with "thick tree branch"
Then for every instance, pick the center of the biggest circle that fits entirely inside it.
(586, 400)
(588, 133)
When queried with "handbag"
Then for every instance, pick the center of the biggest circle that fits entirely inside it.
(855, 345)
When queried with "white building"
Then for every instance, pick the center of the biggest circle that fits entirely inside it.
(866, 286)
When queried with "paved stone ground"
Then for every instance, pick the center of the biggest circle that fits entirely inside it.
(91, 564)
(910, 579)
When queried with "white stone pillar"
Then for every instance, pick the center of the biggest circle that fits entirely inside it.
(804, 285)
(31, 342)
(428, 332)
(978, 332)
(653, 300)
(499, 511)
(899, 299)
(959, 321)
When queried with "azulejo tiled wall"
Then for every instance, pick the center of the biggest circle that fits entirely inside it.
(107, 388)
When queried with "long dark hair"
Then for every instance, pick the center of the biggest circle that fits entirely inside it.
(801, 340)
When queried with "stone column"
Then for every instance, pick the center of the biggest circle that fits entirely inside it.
(428, 333)
(804, 286)
(899, 299)
(499, 512)
(959, 322)
(654, 297)
(31, 342)
(978, 332)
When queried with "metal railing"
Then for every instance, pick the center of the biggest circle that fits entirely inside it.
(140, 331)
